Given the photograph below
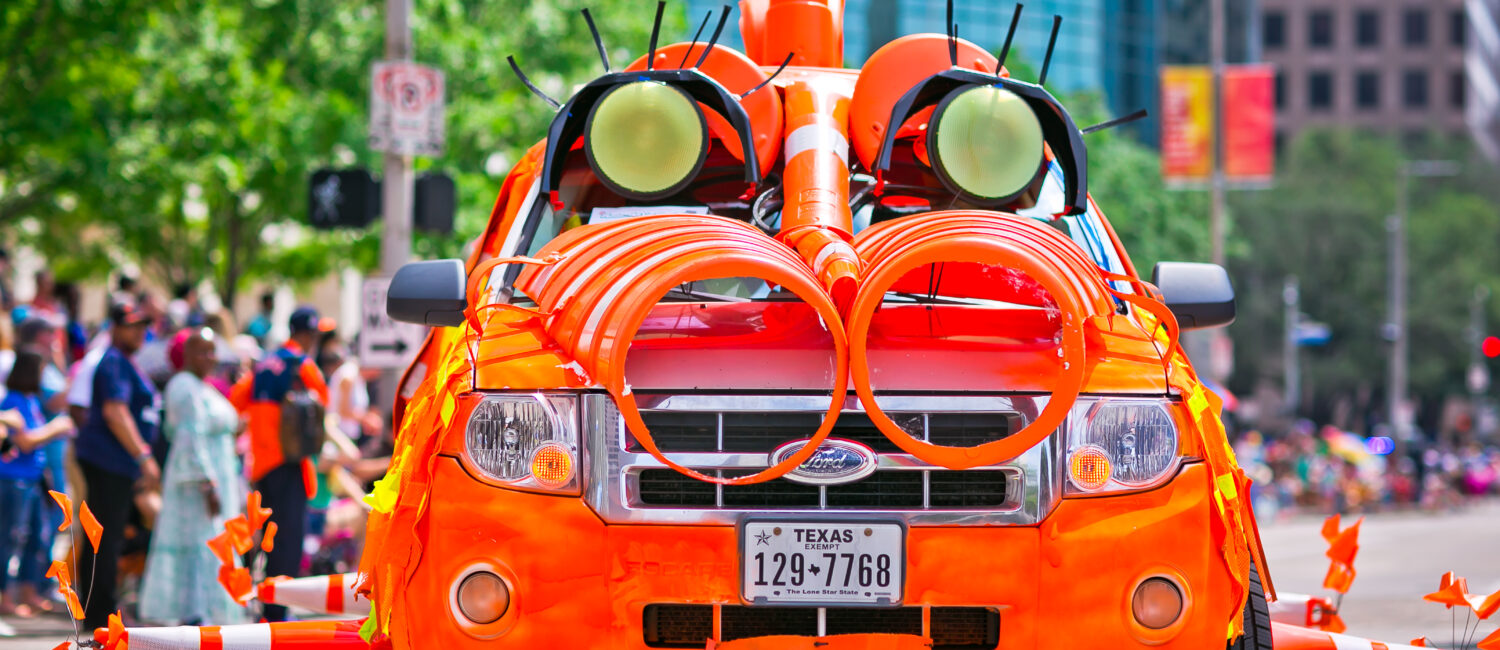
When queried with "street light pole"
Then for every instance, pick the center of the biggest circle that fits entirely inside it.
(396, 187)
(1396, 327)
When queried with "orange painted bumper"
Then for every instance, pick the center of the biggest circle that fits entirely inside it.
(578, 583)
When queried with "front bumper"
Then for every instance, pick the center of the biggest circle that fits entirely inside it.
(579, 583)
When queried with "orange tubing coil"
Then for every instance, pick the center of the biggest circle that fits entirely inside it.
(900, 246)
(594, 286)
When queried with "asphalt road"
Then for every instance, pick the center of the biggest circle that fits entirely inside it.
(1401, 558)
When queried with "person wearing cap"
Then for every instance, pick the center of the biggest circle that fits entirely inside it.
(285, 484)
(114, 454)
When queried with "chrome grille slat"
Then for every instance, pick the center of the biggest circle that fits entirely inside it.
(1029, 484)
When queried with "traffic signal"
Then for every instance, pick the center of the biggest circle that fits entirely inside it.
(433, 204)
(1491, 346)
(345, 198)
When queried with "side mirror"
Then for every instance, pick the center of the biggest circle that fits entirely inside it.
(429, 293)
(1199, 295)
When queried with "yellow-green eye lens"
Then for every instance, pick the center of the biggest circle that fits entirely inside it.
(646, 139)
(986, 142)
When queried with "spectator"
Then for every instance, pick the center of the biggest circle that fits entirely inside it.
(114, 455)
(43, 334)
(7, 296)
(21, 465)
(201, 490)
(44, 303)
(260, 326)
(76, 340)
(349, 395)
(286, 431)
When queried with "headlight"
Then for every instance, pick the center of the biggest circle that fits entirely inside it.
(646, 140)
(1116, 445)
(526, 441)
(985, 143)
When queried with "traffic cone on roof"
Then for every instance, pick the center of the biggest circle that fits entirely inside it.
(320, 594)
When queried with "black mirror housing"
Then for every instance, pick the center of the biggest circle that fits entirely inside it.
(1199, 295)
(432, 293)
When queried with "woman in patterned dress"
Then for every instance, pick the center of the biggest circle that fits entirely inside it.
(200, 491)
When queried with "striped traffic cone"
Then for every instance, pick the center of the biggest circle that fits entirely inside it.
(319, 594)
(1292, 637)
(300, 635)
(1300, 610)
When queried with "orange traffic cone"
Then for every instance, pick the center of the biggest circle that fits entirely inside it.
(320, 594)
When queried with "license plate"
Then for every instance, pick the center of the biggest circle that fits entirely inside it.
(822, 562)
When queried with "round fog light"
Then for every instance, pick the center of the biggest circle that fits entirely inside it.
(483, 598)
(1157, 603)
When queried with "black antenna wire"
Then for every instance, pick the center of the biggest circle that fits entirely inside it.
(598, 40)
(762, 84)
(1138, 115)
(706, 15)
(1051, 43)
(1015, 21)
(952, 29)
(661, 6)
(536, 91)
(719, 30)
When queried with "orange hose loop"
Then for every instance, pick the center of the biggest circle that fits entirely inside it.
(609, 277)
(908, 244)
(480, 275)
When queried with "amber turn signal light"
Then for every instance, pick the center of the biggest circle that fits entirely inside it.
(483, 598)
(552, 464)
(1089, 467)
(1157, 603)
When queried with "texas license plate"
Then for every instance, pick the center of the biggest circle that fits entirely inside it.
(822, 563)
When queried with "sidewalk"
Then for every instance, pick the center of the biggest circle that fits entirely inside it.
(39, 633)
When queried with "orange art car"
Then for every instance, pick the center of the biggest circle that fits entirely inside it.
(758, 351)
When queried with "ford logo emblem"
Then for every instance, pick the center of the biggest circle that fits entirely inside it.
(835, 462)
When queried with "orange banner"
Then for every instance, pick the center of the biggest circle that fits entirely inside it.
(1249, 123)
(1187, 123)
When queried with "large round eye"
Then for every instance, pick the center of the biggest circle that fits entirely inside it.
(985, 143)
(646, 139)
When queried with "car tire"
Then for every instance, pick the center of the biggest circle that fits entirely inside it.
(1257, 617)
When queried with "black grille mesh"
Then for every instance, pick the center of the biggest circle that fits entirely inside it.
(690, 626)
(697, 431)
(891, 489)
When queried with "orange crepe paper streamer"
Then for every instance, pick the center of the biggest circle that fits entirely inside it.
(116, 631)
(239, 533)
(67, 507)
(236, 582)
(268, 541)
(256, 514)
(223, 548)
(91, 526)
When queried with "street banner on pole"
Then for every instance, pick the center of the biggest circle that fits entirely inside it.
(385, 343)
(1187, 124)
(406, 109)
(1249, 124)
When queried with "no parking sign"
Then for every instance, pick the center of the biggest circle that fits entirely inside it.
(406, 109)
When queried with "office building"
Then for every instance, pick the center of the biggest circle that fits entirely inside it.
(1482, 69)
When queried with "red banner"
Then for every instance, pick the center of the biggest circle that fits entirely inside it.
(1249, 123)
(1187, 123)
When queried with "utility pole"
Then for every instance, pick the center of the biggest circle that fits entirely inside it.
(1478, 378)
(1216, 30)
(1396, 327)
(396, 188)
(1291, 298)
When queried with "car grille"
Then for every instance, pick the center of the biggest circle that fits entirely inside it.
(690, 626)
(763, 432)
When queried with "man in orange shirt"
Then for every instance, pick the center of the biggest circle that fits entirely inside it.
(286, 432)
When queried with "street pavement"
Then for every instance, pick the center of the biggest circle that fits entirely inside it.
(1401, 557)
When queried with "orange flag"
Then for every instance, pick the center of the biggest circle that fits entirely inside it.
(236, 582)
(256, 514)
(239, 533)
(63, 646)
(223, 548)
(1452, 591)
(1344, 546)
(1490, 605)
(1420, 642)
(91, 526)
(1491, 642)
(1340, 577)
(1331, 528)
(268, 542)
(59, 571)
(116, 632)
(67, 507)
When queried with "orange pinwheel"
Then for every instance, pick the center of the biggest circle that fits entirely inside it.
(59, 571)
(67, 507)
(116, 632)
(1452, 591)
(1491, 642)
(239, 533)
(91, 526)
(256, 514)
(268, 541)
(223, 548)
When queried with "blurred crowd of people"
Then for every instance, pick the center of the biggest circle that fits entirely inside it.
(163, 417)
(1327, 470)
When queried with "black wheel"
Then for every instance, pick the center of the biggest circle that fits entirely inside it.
(1257, 618)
